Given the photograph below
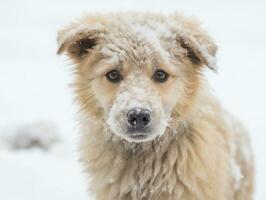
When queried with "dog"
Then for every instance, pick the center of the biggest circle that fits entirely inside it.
(150, 127)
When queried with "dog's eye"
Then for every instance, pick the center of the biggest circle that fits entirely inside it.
(113, 76)
(160, 76)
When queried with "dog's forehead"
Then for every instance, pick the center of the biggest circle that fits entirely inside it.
(136, 43)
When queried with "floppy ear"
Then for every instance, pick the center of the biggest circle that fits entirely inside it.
(196, 43)
(78, 40)
(200, 49)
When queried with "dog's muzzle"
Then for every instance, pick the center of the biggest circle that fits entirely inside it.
(138, 121)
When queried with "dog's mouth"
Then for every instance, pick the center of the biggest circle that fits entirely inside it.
(139, 136)
(135, 134)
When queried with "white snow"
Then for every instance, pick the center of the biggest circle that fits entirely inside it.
(34, 83)
(40, 176)
(37, 135)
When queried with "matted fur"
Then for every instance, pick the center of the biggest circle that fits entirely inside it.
(203, 153)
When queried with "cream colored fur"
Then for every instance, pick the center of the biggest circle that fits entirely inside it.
(204, 153)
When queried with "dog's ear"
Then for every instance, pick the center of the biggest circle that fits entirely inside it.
(200, 50)
(198, 46)
(78, 40)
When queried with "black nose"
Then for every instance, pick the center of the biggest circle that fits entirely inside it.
(138, 118)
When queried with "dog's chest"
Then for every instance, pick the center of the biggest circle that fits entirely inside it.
(145, 176)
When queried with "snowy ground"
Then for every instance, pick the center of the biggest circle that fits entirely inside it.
(34, 83)
(40, 176)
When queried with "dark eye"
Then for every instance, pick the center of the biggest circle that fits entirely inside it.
(113, 76)
(160, 76)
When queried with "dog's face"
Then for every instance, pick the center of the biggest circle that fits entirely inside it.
(137, 94)
(133, 75)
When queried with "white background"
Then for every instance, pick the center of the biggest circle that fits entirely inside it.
(34, 82)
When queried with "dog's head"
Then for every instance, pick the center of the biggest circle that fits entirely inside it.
(135, 71)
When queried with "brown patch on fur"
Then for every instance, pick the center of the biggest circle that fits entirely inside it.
(82, 46)
(190, 53)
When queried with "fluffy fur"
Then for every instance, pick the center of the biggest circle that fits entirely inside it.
(196, 150)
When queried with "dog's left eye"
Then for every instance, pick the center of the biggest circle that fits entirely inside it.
(160, 76)
(114, 76)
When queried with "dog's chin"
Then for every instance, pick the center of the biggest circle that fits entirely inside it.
(137, 137)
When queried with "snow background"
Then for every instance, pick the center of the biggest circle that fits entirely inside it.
(34, 84)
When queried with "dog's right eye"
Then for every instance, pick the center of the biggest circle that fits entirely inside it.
(114, 76)
(160, 76)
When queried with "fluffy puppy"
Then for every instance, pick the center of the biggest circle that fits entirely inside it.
(151, 130)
